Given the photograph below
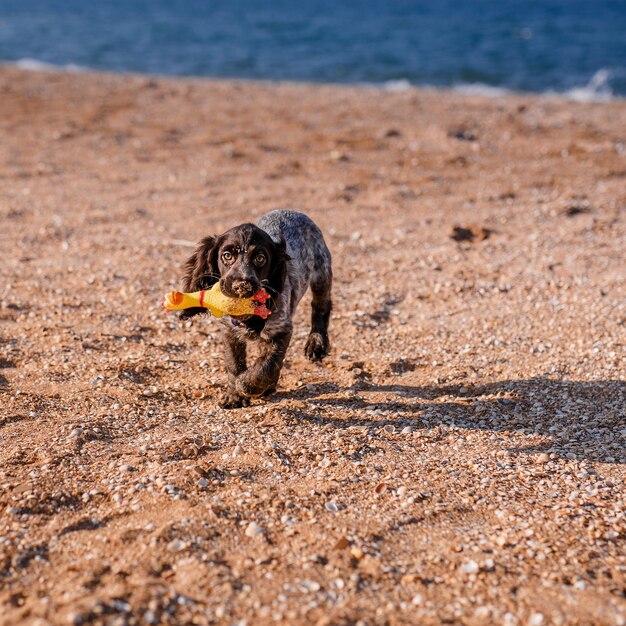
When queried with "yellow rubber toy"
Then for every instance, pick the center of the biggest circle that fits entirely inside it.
(217, 303)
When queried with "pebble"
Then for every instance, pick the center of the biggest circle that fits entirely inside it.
(311, 586)
(332, 506)
(417, 600)
(77, 432)
(176, 545)
(508, 619)
(150, 618)
(253, 530)
(536, 619)
(470, 567)
(357, 553)
(543, 458)
(407, 430)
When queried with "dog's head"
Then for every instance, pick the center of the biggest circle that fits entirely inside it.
(243, 260)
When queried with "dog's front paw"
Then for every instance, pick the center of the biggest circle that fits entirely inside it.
(249, 386)
(232, 400)
(317, 346)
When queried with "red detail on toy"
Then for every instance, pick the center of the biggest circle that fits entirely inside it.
(261, 296)
(262, 311)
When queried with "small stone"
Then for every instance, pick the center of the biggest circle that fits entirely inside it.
(238, 450)
(536, 619)
(401, 491)
(337, 155)
(332, 506)
(470, 567)
(508, 619)
(542, 458)
(147, 392)
(203, 483)
(150, 618)
(176, 545)
(342, 544)
(253, 530)
(324, 463)
(356, 553)
(417, 600)
(407, 430)
(311, 586)
(77, 432)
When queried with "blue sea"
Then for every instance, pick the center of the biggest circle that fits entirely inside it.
(572, 47)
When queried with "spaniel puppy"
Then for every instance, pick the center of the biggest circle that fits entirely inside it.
(284, 253)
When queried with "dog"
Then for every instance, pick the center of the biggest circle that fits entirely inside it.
(284, 253)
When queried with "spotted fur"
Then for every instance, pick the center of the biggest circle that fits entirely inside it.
(298, 259)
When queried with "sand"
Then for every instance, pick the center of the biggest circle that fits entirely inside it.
(459, 458)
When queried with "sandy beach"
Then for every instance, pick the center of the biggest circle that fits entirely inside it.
(460, 457)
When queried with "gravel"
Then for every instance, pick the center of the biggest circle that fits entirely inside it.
(460, 456)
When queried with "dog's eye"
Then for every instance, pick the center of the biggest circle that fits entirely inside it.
(259, 260)
(227, 256)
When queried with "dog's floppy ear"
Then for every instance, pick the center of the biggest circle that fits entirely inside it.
(201, 271)
(278, 269)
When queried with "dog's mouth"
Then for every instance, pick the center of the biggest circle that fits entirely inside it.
(239, 291)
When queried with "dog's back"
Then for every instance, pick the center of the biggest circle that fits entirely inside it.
(310, 263)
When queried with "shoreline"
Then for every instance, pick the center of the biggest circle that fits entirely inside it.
(582, 94)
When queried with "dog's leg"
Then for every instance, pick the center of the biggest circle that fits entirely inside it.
(317, 345)
(262, 377)
(235, 359)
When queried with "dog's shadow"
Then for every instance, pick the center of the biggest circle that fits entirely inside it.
(580, 419)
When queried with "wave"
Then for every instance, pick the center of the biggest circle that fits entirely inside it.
(35, 65)
(598, 89)
(482, 89)
(398, 86)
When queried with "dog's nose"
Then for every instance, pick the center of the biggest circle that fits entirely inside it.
(243, 288)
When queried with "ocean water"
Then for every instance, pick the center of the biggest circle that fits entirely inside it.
(574, 47)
